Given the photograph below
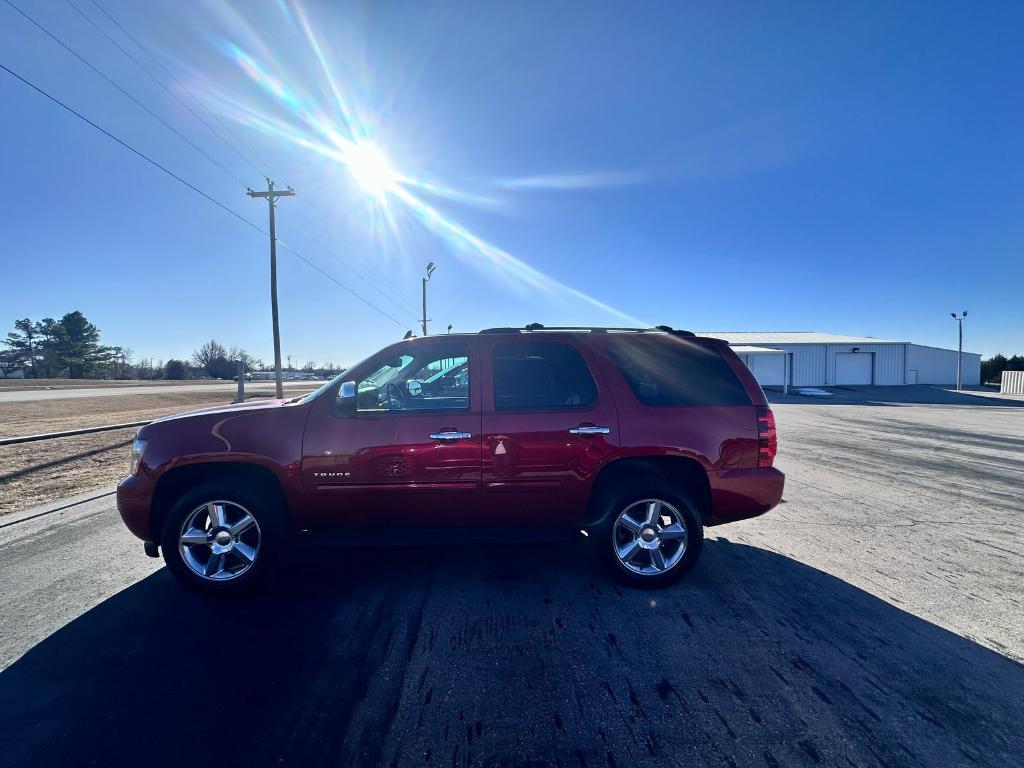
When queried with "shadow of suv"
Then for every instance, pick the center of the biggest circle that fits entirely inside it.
(639, 438)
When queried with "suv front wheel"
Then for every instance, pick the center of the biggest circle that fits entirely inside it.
(218, 538)
(651, 535)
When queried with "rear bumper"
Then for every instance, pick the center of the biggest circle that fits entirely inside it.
(739, 494)
(133, 503)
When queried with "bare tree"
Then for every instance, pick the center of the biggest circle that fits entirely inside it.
(11, 360)
(120, 363)
(144, 368)
(237, 353)
(208, 353)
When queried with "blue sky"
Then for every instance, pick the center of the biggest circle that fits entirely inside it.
(851, 168)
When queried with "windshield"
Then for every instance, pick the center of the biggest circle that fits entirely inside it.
(309, 396)
(457, 367)
(387, 372)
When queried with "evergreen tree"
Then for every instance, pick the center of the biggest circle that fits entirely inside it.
(176, 369)
(22, 346)
(79, 348)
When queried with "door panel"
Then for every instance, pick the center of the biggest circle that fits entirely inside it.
(396, 467)
(535, 470)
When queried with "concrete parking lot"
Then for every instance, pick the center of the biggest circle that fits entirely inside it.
(874, 618)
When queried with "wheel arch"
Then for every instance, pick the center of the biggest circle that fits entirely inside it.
(176, 481)
(683, 472)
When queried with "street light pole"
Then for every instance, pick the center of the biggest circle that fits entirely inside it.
(271, 194)
(430, 270)
(960, 344)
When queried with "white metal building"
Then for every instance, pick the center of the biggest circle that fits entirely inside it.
(806, 359)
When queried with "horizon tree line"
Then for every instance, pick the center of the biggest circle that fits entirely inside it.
(71, 348)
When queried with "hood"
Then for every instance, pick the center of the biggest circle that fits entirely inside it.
(253, 405)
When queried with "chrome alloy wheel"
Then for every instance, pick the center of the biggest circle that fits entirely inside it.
(649, 537)
(219, 540)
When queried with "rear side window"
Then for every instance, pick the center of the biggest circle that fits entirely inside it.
(530, 375)
(677, 372)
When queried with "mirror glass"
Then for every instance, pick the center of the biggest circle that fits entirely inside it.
(414, 387)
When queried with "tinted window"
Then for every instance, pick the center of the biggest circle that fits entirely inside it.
(426, 377)
(677, 372)
(531, 374)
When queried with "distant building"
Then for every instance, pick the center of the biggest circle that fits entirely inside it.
(806, 359)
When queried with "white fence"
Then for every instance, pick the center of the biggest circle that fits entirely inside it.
(1012, 383)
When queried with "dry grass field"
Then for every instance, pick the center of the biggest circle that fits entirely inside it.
(30, 384)
(44, 471)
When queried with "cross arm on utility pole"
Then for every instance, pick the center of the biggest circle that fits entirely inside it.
(289, 192)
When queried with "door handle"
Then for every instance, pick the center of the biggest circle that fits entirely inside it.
(589, 430)
(451, 435)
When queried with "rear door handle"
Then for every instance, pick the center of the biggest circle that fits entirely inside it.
(589, 430)
(451, 435)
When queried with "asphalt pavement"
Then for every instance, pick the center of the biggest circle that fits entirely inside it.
(26, 395)
(874, 619)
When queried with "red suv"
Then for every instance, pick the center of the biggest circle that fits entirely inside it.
(639, 438)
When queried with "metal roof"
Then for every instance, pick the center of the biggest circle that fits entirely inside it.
(753, 350)
(792, 337)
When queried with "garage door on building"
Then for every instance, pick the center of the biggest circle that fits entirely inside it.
(769, 369)
(853, 368)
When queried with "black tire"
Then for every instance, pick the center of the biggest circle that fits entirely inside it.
(607, 536)
(269, 532)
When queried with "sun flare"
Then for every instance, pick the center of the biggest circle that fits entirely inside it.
(371, 168)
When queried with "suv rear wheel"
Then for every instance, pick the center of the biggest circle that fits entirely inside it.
(218, 537)
(652, 534)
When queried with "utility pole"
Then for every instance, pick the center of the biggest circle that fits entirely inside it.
(430, 270)
(960, 344)
(271, 195)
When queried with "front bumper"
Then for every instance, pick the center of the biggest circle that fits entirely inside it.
(739, 494)
(133, 503)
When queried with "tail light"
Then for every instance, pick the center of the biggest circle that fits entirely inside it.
(767, 440)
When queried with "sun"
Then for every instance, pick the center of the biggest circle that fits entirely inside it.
(371, 168)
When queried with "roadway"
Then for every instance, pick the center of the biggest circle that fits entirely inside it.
(875, 618)
(26, 395)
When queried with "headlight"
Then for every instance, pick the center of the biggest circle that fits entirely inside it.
(137, 448)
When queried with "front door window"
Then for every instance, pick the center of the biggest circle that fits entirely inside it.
(431, 377)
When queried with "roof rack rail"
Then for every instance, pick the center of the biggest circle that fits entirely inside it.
(588, 328)
(670, 329)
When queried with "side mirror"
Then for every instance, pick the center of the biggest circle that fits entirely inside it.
(347, 397)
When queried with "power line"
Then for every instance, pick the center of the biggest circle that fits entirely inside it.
(263, 171)
(194, 188)
(363, 262)
(128, 146)
(198, 149)
(342, 285)
(182, 86)
(127, 95)
(319, 243)
(158, 81)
